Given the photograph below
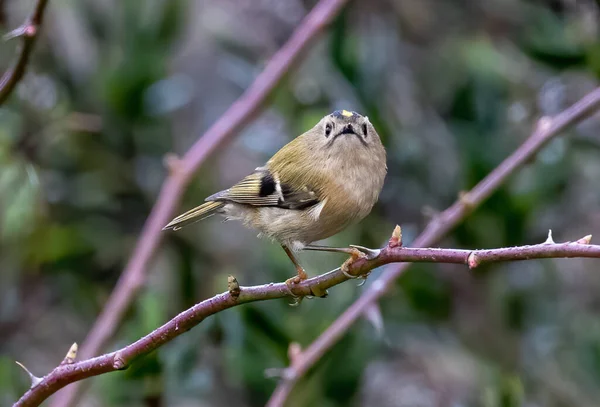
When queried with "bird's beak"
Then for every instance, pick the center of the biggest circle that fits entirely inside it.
(348, 129)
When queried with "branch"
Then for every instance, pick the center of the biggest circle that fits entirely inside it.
(546, 129)
(238, 114)
(29, 32)
(71, 372)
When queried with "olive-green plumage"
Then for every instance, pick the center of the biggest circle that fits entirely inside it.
(315, 186)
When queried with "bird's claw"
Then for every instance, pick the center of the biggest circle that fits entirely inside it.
(355, 254)
(290, 282)
(364, 280)
(353, 277)
(316, 290)
(348, 275)
(296, 301)
(358, 252)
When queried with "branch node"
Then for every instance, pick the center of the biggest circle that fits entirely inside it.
(71, 355)
(294, 352)
(34, 379)
(396, 239)
(466, 200)
(473, 261)
(549, 239)
(30, 30)
(585, 240)
(118, 362)
(544, 124)
(173, 163)
(233, 287)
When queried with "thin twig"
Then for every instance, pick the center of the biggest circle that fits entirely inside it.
(236, 295)
(238, 114)
(547, 128)
(29, 33)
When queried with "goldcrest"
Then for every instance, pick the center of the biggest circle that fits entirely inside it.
(311, 189)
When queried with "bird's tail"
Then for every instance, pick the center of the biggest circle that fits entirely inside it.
(203, 211)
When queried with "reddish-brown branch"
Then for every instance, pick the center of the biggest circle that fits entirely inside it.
(238, 114)
(547, 128)
(29, 33)
(67, 373)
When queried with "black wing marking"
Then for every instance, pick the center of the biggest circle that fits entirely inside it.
(263, 188)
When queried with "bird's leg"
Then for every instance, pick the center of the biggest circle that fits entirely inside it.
(317, 248)
(301, 275)
(353, 250)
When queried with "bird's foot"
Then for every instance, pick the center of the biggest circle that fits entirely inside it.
(357, 253)
(290, 282)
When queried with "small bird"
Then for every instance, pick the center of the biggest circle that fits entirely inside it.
(311, 189)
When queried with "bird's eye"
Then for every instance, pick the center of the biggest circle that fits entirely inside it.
(328, 128)
(364, 129)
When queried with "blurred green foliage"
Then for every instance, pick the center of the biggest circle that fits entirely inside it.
(452, 86)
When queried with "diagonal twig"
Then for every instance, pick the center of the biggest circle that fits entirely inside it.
(29, 33)
(546, 129)
(236, 116)
(71, 372)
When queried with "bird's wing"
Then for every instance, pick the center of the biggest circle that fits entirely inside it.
(264, 188)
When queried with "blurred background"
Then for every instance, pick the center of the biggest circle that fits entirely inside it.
(453, 87)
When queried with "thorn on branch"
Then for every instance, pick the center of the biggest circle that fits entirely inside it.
(71, 355)
(286, 374)
(233, 287)
(549, 239)
(274, 372)
(16, 33)
(373, 315)
(396, 239)
(280, 373)
(585, 240)
(34, 379)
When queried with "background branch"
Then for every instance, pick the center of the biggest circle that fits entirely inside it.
(122, 358)
(546, 129)
(29, 32)
(238, 114)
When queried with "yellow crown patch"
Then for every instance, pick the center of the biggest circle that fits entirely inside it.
(347, 113)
